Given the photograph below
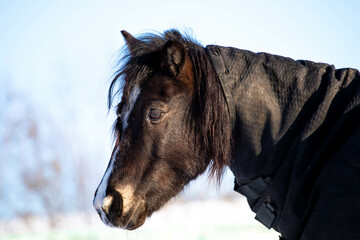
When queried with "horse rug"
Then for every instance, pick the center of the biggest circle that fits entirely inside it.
(296, 141)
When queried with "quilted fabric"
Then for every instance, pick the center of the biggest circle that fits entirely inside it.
(298, 123)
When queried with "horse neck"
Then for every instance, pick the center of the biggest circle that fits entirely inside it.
(271, 104)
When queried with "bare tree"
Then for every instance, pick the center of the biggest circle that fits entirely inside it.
(40, 160)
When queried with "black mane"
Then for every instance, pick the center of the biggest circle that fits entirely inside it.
(208, 112)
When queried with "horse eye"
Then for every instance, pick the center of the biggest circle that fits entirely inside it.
(156, 114)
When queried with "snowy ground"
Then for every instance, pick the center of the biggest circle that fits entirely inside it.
(191, 220)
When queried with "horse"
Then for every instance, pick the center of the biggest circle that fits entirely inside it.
(289, 131)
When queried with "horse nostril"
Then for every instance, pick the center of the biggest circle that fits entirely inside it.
(107, 203)
(113, 204)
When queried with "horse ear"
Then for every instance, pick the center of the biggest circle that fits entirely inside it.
(173, 57)
(131, 42)
(176, 62)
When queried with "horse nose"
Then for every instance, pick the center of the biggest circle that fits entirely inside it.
(113, 204)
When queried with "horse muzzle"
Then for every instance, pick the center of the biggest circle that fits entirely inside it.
(116, 210)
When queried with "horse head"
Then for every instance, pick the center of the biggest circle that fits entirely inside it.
(172, 122)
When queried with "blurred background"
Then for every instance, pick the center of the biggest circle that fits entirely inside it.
(56, 62)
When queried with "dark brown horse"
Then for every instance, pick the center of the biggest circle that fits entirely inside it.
(283, 127)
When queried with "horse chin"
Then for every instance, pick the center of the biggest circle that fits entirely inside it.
(134, 225)
(138, 218)
(131, 220)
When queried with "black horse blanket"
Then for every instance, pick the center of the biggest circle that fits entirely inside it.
(296, 136)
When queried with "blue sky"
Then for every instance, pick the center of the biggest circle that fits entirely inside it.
(60, 54)
(325, 31)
